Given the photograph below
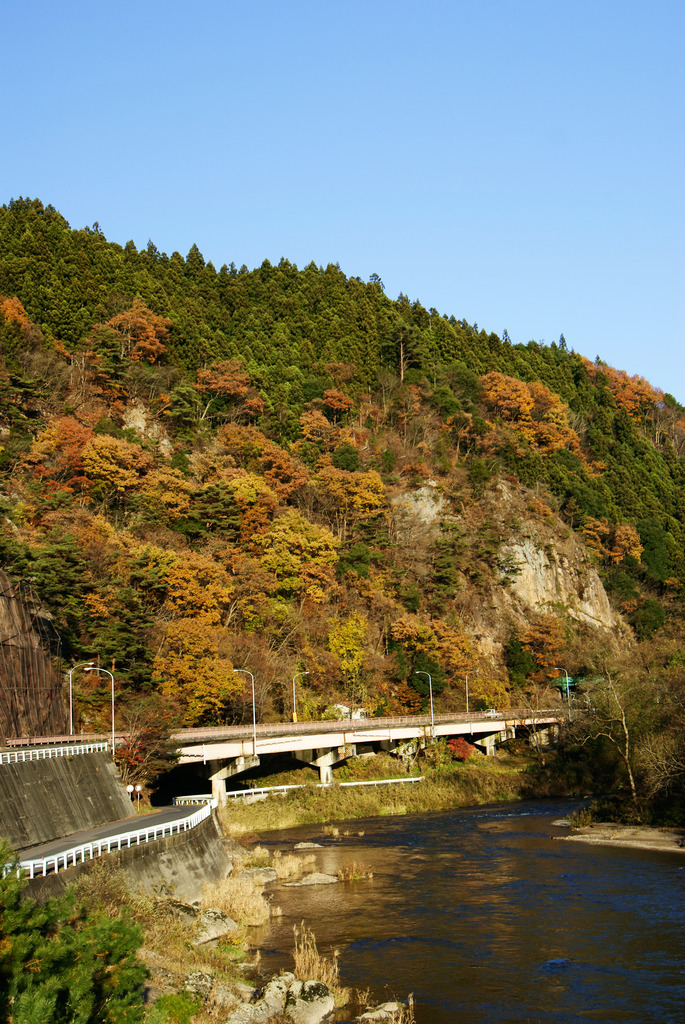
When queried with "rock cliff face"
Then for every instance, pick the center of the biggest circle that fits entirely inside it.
(555, 578)
(30, 690)
(514, 558)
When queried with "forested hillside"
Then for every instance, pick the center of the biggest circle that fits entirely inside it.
(287, 471)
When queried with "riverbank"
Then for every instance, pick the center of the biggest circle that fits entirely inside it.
(667, 840)
(444, 787)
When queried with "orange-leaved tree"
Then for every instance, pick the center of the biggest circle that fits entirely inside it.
(228, 380)
(141, 333)
(57, 454)
(544, 639)
(532, 410)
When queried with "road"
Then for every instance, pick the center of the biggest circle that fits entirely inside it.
(113, 828)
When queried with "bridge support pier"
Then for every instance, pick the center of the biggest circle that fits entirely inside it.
(325, 759)
(235, 767)
(488, 743)
(546, 735)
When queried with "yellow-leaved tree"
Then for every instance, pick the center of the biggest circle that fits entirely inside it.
(347, 640)
(301, 556)
(193, 672)
(115, 466)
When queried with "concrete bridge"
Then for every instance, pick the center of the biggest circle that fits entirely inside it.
(226, 751)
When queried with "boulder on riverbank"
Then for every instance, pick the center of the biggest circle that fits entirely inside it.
(308, 1002)
(384, 1011)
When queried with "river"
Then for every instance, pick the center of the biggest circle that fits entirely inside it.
(486, 917)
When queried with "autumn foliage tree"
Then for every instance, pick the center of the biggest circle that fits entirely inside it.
(532, 410)
(142, 334)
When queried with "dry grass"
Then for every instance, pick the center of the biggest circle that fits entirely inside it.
(238, 897)
(288, 864)
(311, 965)
(167, 940)
(406, 1013)
(466, 785)
(258, 857)
(355, 871)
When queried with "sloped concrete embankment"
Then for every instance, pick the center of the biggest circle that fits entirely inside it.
(45, 800)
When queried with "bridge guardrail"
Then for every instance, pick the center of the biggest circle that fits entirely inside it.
(40, 754)
(41, 866)
(361, 724)
(328, 725)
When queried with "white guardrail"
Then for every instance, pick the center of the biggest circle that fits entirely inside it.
(12, 756)
(123, 840)
(265, 790)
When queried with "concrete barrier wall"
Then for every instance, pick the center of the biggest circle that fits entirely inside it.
(176, 865)
(45, 800)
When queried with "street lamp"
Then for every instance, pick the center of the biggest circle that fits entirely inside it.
(71, 698)
(474, 672)
(254, 710)
(138, 789)
(568, 690)
(420, 672)
(294, 705)
(106, 672)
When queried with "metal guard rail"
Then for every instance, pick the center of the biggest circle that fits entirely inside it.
(42, 866)
(265, 790)
(12, 756)
(327, 725)
(214, 732)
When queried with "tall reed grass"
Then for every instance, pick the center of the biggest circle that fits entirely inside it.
(311, 965)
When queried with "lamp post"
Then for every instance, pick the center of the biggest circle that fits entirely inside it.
(420, 672)
(106, 672)
(568, 690)
(254, 710)
(294, 704)
(474, 672)
(71, 698)
(138, 789)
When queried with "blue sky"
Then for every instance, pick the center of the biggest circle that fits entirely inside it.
(519, 164)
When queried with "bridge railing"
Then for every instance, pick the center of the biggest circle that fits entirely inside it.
(40, 754)
(539, 715)
(364, 724)
(41, 866)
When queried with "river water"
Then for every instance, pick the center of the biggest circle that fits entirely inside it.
(486, 917)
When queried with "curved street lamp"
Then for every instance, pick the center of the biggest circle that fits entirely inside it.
(420, 672)
(474, 672)
(297, 674)
(106, 672)
(71, 692)
(254, 710)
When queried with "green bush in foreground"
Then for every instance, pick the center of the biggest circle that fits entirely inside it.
(60, 964)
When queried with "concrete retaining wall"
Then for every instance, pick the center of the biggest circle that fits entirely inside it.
(45, 800)
(178, 864)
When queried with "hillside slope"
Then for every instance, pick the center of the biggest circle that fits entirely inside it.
(288, 472)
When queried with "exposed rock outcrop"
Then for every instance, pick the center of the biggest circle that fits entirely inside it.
(308, 1002)
(555, 578)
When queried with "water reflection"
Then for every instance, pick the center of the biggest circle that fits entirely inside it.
(482, 913)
